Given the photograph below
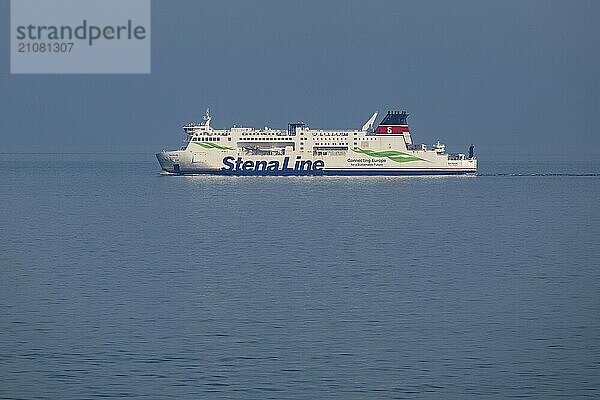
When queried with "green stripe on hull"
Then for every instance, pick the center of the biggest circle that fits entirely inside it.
(208, 145)
(394, 155)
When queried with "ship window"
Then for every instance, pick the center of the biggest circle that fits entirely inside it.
(229, 139)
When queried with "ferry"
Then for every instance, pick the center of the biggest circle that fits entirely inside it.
(383, 149)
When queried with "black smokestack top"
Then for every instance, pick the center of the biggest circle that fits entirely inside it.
(395, 118)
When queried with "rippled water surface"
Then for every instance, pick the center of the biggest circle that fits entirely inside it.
(116, 281)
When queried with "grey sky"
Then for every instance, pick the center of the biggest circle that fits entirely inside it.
(467, 71)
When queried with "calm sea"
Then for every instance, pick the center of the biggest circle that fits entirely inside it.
(118, 282)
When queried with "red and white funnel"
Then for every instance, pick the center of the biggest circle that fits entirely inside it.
(394, 123)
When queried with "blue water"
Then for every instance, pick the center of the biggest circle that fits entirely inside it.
(118, 282)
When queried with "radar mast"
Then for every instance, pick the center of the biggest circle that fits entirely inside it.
(206, 118)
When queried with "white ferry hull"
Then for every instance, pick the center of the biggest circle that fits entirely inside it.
(387, 150)
(180, 163)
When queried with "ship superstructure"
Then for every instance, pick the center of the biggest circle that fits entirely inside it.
(385, 149)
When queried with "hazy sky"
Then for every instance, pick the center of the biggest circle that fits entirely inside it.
(467, 71)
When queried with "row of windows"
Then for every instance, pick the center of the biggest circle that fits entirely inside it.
(277, 137)
(363, 144)
(211, 139)
(207, 139)
(262, 133)
(250, 132)
(329, 146)
(334, 144)
(262, 139)
(328, 133)
(328, 138)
